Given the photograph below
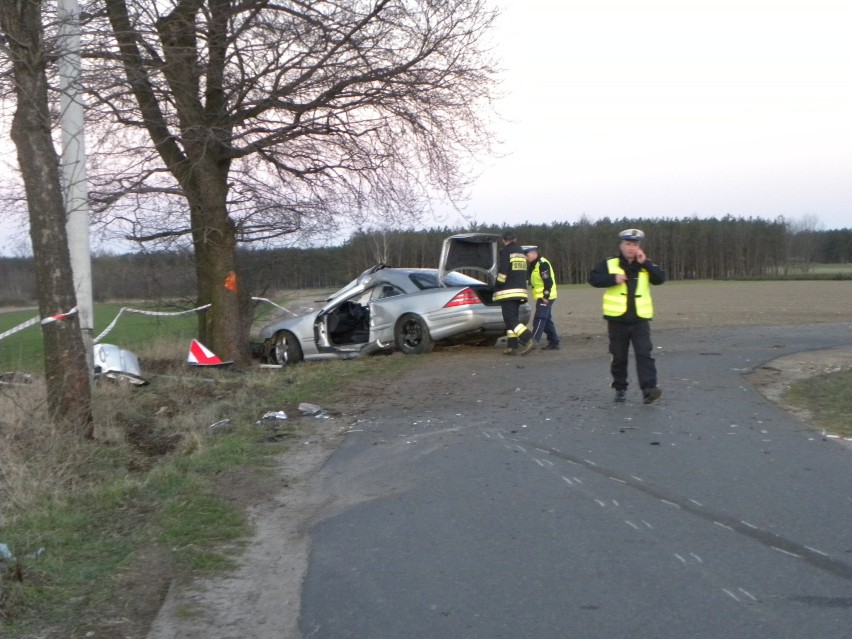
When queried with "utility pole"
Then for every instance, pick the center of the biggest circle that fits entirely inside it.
(73, 165)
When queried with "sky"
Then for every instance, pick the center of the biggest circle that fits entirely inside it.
(628, 108)
(669, 109)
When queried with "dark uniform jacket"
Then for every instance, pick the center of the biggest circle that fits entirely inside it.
(512, 274)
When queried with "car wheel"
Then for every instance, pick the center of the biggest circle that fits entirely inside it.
(412, 335)
(285, 349)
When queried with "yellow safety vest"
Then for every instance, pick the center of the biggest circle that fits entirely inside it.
(615, 297)
(537, 283)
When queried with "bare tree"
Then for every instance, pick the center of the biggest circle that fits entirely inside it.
(276, 118)
(66, 369)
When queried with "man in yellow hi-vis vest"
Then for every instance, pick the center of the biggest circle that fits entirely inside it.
(628, 310)
(543, 285)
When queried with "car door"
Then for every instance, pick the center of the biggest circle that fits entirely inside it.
(327, 324)
(384, 312)
(358, 323)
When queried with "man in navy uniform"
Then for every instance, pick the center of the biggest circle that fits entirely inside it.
(543, 283)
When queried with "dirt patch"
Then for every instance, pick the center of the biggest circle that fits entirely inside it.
(775, 378)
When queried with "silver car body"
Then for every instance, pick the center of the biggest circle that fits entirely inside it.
(404, 309)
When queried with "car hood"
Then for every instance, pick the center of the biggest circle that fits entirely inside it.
(470, 251)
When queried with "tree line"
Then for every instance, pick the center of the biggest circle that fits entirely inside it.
(691, 248)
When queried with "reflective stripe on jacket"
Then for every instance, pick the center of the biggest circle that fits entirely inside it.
(539, 284)
(615, 297)
(512, 278)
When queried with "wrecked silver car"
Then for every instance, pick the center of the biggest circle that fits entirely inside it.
(404, 309)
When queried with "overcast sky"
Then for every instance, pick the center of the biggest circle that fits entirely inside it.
(673, 109)
(630, 108)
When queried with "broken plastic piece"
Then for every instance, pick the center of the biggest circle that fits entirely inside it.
(218, 427)
(309, 409)
(272, 416)
(117, 364)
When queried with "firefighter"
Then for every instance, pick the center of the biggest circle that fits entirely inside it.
(510, 293)
(628, 310)
(543, 283)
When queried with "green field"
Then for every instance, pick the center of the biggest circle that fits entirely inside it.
(831, 269)
(23, 351)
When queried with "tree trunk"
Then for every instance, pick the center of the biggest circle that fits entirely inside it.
(66, 369)
(222, 327)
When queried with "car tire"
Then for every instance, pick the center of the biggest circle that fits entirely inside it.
(285, 349)
(411, 335)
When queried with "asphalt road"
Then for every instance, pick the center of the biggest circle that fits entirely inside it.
(496, 497)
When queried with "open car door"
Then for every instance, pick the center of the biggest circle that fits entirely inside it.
(352, 325)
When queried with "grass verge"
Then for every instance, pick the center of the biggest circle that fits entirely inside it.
(828, 398)
(98, 529)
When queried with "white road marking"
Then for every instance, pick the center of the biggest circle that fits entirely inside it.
(670, 503)
(620, 481)
(697, 558)
(786, 552)
(647, 524)
(568, 481)
(631, 524)
(730, 594)
(747, 594)
(819, 552)
(725, 526)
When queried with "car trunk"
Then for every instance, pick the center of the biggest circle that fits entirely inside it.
(474, 255)
(486, 294)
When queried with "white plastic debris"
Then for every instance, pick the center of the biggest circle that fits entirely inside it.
(218, 427)
(309, 409)
(272, 417)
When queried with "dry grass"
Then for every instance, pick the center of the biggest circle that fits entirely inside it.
(38, 460)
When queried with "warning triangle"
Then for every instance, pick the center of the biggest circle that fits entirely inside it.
(200, 355)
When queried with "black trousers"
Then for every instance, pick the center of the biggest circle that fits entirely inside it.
(621, 336)
(511, 318)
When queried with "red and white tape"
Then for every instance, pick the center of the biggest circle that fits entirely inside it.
(266, 299)
(38, 320)
(150, 313)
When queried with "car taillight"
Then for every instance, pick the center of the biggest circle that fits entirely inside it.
(464, 297)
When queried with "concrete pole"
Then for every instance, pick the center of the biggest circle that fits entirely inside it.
(73, 164)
